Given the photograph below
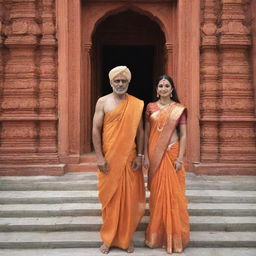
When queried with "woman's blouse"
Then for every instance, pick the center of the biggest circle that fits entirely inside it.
(153, 106)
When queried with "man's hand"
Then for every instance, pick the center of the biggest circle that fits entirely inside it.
(103, 166)
(137, 163)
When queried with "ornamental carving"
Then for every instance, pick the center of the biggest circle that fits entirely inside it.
(226, 85)
(18, 130)
(22, 27)
(238, 104)
(29, 90)
(19, 103)
(48, 129)
(209, 132)
(236, 132)
(209, 29)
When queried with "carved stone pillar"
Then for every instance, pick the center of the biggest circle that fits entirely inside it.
(88, 93)
(251, 14)
(48, 79)
(28, 109)
(169, 59)
(209, 83)
(227, 105)
(20, 93)
(1, 55)
(237, 127)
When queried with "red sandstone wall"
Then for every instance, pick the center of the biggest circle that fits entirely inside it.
(28, 81)
(227, 93)
(28, 86)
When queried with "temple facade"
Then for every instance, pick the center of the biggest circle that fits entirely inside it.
(55, 56)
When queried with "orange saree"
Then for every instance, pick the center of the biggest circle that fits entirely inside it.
(169, 221)
(121, 191)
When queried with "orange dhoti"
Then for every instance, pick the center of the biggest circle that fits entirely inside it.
(121, 190)
(169, 221)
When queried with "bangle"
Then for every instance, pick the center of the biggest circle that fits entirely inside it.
(140, 155)
(179, 161)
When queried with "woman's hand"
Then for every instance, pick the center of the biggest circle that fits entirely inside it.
(146, 163)
(177, 165)
(149, 181)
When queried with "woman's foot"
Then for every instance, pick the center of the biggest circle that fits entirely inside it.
(104, 249)
(169, 251)
(130, 248)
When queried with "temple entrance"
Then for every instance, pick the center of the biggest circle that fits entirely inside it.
(131, 39)
(88, 30)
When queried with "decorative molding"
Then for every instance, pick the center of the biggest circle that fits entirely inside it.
(227, 103)
(29, 93)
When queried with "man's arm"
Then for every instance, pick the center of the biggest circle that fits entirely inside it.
(137, 162)
(140, 138)
(146, 137)
(97, 135)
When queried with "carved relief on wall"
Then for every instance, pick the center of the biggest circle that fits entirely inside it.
(29, 92)
(227, 99)
(237, 142)
(2, 10)
(209, 142)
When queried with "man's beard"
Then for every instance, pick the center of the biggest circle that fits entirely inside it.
(120, 91)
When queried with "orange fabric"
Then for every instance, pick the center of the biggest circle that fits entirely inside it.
(169, 221)
(121, 191)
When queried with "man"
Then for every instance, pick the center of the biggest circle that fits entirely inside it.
(116, 125)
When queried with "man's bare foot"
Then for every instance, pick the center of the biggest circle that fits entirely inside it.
(130, 248)
(104, 249)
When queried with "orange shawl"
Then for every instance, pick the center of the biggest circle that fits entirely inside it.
(121, 191)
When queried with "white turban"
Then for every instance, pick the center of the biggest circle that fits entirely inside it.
(120, 70)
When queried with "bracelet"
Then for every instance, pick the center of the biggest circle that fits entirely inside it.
(179, 161)
(140, 155)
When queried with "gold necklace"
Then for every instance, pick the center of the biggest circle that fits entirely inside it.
(162, 120)
(164, 104)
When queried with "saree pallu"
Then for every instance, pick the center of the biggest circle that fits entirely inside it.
(169, 221)
(121, 191)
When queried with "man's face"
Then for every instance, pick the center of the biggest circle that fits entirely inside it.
(119, 84)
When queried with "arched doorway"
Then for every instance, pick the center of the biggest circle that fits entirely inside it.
(132, 39)
(78, 23)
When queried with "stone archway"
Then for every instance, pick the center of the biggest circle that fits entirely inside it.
(77, 21)
(161, 18)
(131, 39)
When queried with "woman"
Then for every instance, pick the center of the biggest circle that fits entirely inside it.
(165, 141)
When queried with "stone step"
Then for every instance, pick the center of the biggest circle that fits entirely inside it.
(89, 182)
(78, 176)
(53, 197)
(138, 252)
(93, 223)
(23, 240)
(92, 185)
(94, 209)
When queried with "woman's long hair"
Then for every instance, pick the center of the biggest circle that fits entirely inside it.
(174, 96)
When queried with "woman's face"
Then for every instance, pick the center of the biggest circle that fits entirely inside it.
(164, 88)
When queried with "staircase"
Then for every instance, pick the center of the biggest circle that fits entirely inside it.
(60, 216)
